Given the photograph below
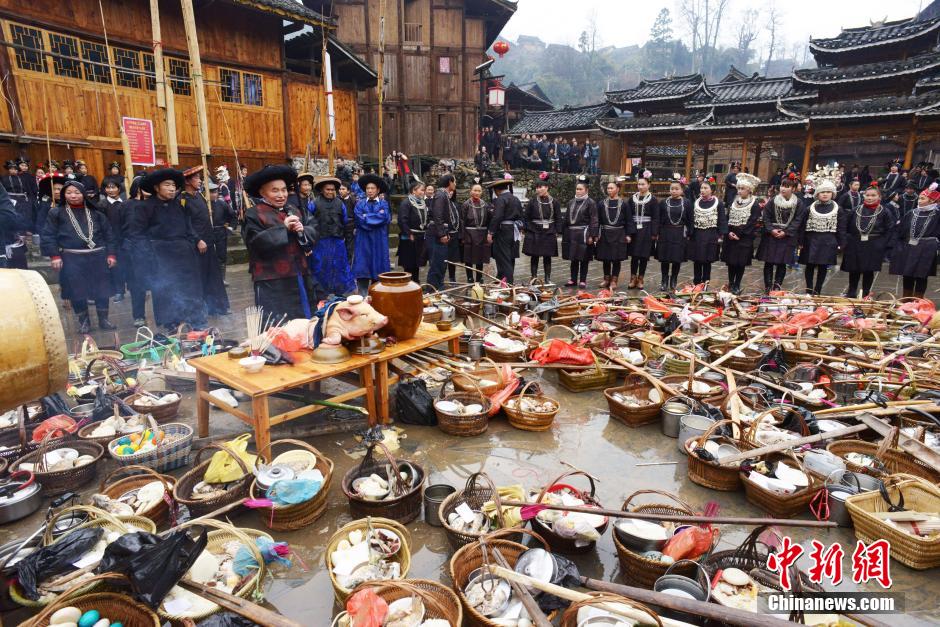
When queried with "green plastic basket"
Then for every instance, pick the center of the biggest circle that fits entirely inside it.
(145, 347)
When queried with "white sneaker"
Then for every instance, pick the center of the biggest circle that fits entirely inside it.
(225, 396)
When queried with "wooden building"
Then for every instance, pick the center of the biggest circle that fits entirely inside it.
(431, 102)
(57, 80)
(874, 97)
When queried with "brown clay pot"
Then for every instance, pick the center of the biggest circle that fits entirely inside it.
(395, 295)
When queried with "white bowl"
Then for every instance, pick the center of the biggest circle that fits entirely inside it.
(252, 364)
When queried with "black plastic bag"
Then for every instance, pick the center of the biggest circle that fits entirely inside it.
(566, 576)
(414, 404)
(153, 564)
(227, 619)
(54, 405)
(104, 406)
(774, 360)
(792, 422)
(55, 559)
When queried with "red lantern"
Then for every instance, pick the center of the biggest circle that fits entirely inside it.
(501, 48)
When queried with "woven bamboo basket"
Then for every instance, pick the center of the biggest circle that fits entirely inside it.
(530, 420)
(505, 357)
(236, 490)
(634, 416)
(168, 455)
(715, 394)
(403, 557)
(558, 543)
(219, 535)
(584, 380)
(96, 518)
(889, 459)
(439, 601)
(61, 481)
(748, 359)
(15, 440)
(463, 425)
(603, 600)
(161, 413)
(751, 553)
(293, 517)
(406, 504)
(636, 569)
(467, 382)
(163, 511)
(117, 607)
(477, 555)
(782, 505)
(915, 552)
(478, 490)
(711, 474)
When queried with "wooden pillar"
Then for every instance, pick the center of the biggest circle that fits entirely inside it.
(705, 159)
(744, 154)
(807, 152)
(757, 157)
(643, 155)
(624, 156)
(381, 87)
(11, 96)
(199, 89)
(688, 159)
(911, 142)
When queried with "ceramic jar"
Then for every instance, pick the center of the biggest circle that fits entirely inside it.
(395, 295)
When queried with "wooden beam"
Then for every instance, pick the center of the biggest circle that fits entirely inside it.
(744, 154)
(705, 159)
(624, 156)
(381, 87)
(199, 90)
(757, 158)
(911, 142)
(11, 96)
(688, 158)
(807, 151)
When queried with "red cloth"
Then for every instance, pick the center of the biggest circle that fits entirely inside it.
(920, 308)
(561, 352)
(803, 320)
(367, 609)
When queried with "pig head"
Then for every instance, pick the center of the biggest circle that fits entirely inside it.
(352, 319)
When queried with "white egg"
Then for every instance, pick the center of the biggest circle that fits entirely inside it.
(65, 615)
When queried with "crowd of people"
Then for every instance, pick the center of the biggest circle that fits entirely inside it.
(538, 152)
(309, 237)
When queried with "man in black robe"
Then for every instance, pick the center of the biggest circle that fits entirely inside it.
(280, 239)
(223, 219)
(25, 207)
(164, 242)
(442, 229)
(210, 270)
(505, 228)
(11, 225)
(731, 182)
(28, 178)
(114, 174)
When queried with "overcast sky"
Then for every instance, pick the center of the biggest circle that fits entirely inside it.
(625, 22)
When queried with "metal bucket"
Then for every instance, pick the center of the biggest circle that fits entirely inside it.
(692, 425)
(838, 513)
(434, 495)
(684, 587)
(672, 411)
(475, 348)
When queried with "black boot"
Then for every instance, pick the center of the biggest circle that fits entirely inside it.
(664, 285)
(84, 323)
(103, 322)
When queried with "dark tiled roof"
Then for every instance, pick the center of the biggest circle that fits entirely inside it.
(661, 121)
(659, 89)
(869, 71)
(866, 36)
(755, 119)
(863, 107)
(531, 96)
(753, 90)
(289, 9)
(931, 81)
(734, 74)
(567, 119)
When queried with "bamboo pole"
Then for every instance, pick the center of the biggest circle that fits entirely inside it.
(330, 110)
(381, 85)
(125, 144)
(202, 119)
(165, 100)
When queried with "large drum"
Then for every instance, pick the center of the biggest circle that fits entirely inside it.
(33, 354)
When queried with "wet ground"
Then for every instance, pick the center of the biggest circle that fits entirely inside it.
(583, 435)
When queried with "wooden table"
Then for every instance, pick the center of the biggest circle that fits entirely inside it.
(272, 380)
(427, 337)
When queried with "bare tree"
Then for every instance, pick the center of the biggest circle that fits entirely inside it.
(714, 12)
(747, 30)
(772, 15)
(691, 13)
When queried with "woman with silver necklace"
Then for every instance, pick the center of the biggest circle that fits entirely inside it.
(78, 239)
(709, 226)
(675, 224)
(914, 257)
(783, 217)
(743, 215)
(475, 215)
(412, 223)
(579, 233)
(643, 210)
(820, 235)
(865, 234)
(614, 235)
(543, 223)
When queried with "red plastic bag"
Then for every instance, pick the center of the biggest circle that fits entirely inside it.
(654, 304)
(499, 397)
(803, 320)
(58, 426)
(688, 543)
(919, 308)
(367, 609)
(561, 352)
(285, 342)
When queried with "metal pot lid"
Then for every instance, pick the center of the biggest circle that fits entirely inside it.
(538, 564)
(20, 495)
(267, 475)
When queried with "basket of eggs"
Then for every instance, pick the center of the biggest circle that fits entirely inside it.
(160, 447)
